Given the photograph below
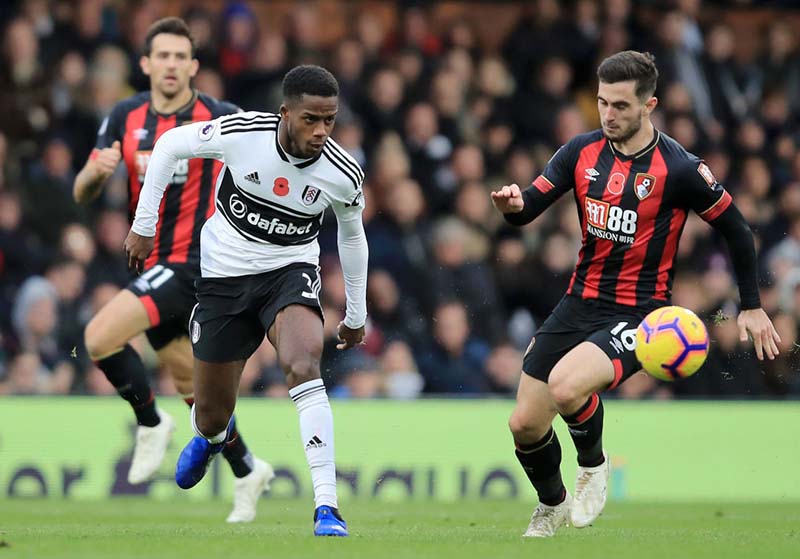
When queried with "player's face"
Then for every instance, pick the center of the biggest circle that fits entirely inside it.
(621, 111)
(170, 64)
(309, 122)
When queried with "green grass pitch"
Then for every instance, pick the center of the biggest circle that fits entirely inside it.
(148, 529)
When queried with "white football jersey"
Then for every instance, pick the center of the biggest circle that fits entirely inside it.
(269, 205)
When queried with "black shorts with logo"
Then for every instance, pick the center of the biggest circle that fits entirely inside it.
(167, 293)
(233, 314)
(612, 328)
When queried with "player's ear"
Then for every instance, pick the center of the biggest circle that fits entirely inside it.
(144, 64)
(284, 110)
(650, 105)
(195, 66)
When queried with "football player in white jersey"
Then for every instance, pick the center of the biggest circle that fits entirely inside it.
(259, 262)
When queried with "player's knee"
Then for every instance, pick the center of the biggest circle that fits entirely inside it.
(525, 429)
(97, 344)
(299, 370)
(564, 392)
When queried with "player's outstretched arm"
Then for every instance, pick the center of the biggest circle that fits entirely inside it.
(100, 166)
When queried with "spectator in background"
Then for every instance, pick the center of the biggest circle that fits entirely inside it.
(394, 317)
(239, 38)
(41, 366)
(455, 361)
(461, 271)
(47, 197)
(401, 377)
(24, 91)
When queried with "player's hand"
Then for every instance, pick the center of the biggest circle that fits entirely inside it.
(349, 337)
(508, 199)
(138, 248)
(760, 327)
(107, 159)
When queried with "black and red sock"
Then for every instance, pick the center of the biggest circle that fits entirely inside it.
(586, 430)
(126, 372)
(542, 463)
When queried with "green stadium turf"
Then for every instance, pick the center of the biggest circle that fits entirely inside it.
(143, 529)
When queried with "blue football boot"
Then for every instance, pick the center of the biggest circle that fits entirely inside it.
(328, 522)
(196, 457)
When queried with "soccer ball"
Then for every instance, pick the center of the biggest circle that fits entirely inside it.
(671, 343)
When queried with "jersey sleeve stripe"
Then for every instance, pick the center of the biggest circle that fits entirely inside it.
(345, 158)
(236, 118)
(342, 169)
(717, 207)
(253, 129)
(543, 185)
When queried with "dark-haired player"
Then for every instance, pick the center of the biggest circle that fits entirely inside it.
(160, 300)
(260, 265)
(634, 187)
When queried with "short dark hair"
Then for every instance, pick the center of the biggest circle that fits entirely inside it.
(631, 65)
(171, 26)
(309, 79)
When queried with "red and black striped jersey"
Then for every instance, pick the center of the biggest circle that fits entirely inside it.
(189, 199)
(632, 210)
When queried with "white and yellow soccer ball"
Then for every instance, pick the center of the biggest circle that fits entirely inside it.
(671, 343)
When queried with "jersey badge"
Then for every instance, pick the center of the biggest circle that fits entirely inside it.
(140, 133)
(206, 131)
(310, 195)
(644, 185)
(707, 175)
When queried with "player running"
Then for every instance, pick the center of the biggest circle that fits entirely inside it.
(160, 300)
(634, 187)
(260, 265)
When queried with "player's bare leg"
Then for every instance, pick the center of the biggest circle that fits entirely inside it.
(297, 336)
(252, 475)
(574, 385)
(539, 453)
(106, 338)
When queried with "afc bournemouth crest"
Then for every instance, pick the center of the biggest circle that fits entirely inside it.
(310, 195)
(644, 184)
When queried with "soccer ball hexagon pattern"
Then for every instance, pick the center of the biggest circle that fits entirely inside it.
(671, 343)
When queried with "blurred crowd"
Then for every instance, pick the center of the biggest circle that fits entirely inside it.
(439, 107)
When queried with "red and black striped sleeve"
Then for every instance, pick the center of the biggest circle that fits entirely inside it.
(557, 178)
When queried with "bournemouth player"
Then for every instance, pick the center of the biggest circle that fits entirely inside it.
(160, 300)
(634, 187)
(260, 264)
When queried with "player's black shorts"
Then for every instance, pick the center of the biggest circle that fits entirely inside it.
(233, 314)
(612, 328)
(167, 293)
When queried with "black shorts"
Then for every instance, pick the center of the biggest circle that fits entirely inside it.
(233, 314)
(612, 328)
(167, 293)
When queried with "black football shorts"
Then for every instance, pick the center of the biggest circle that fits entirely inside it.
(167, 293)
(612, 328)
(233, 314)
